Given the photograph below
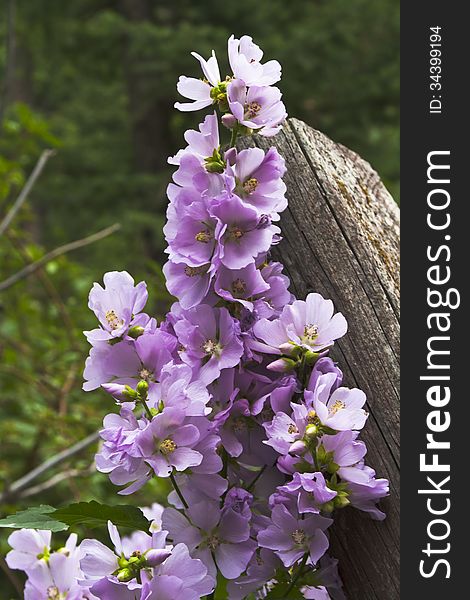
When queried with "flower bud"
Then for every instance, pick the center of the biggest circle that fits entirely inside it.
(341, 501)
(282, 365)
(153, 557)
(312, 430)
(298, 447)
(142, 388)
(121, 392)
(136, 331)
(229, 121)
(125, 574)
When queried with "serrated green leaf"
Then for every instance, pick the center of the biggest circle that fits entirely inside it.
(93, 514)
(37, 517)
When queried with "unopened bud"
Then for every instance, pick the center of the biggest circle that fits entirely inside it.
(142, 388)
(282, 365)
(136, 331)
(153, 558)
(341, 502)
(125, 574)
(229, 121)
(312, 430)
(298, 447)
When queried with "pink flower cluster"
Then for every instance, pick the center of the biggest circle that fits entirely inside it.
(233, 397)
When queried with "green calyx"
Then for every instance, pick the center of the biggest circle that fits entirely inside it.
(129, 568)
(45, 554)
(215, 163)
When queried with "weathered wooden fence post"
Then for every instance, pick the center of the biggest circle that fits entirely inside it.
(341, 238)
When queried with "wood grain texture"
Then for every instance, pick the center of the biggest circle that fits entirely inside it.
(341, 239)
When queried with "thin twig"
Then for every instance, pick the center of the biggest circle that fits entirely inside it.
(26, 189)
(53, 481)
(30, 269)
(23, 482)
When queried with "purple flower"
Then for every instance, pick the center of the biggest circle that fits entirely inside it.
(323, 366)
(202, 143)
(180, 576)
(209, 337)
(189, 284)
(116, 574)
(192, 239)
(347, 454)
(342, 410)
(291, 538)
(177, 389)
(286, 433)
(213, 535)
(239, 234)
(258, 180)
(364, 495)
(28, 547)
(58, 575)
(200, 91)
(240, 285)
(309, 324)
(245, 61)
(129, 362)
(119, 455)
(117, 306)
(261, 569)
(310, 490)
(165, 443)
(259, 108)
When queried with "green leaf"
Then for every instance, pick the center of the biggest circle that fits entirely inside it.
(37, 517)
(93, 514)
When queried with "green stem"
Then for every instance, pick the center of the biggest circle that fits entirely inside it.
(298, 574)
(233, 139)
(253, 483)
(147, 409)
(178, 491)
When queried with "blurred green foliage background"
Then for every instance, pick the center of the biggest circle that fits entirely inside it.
(95, 80)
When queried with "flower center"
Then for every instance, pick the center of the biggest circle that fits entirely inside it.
(312, 418)
(239, 424)
(310, 332)
(292, 429)
(53, 593)
(167, 446)
(211, 347)
(203, 236)
(113, 320)
(338, 405)
(252, 109)
(235, 233)
(194, 271)
(250, 185)
(213, 541)
(145, 374)
(298, 536)
(238, 287)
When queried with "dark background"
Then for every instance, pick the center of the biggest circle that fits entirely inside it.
(96, 80)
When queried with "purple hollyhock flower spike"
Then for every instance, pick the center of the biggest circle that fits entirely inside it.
(117, 306)
(245, 61)
(291, 538)
(258, 108)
